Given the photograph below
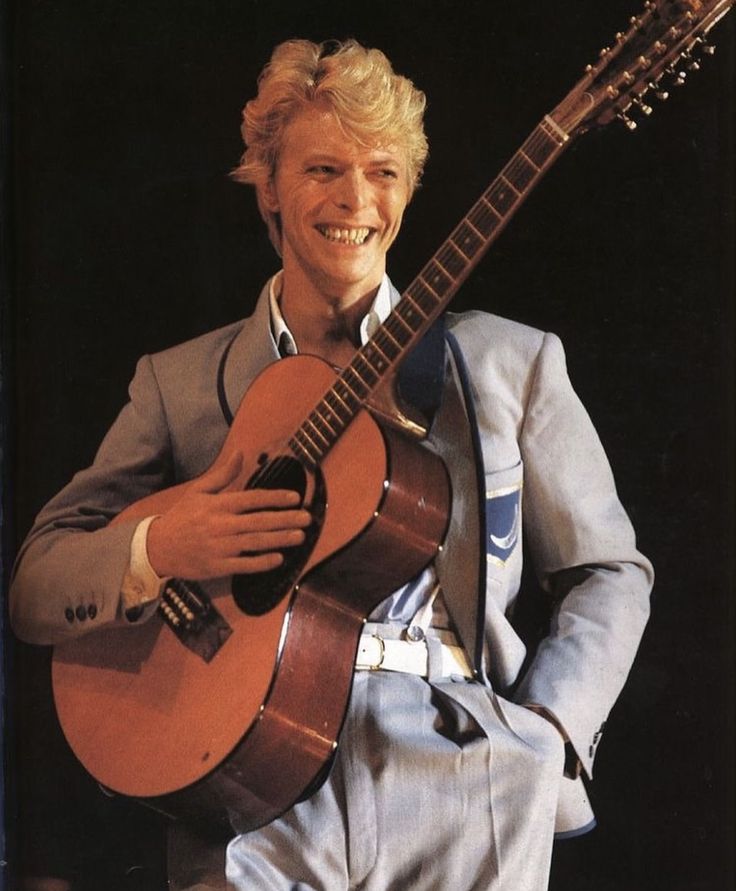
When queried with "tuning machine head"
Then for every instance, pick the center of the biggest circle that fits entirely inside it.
(630, 124)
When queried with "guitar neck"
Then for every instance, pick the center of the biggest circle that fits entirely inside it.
(639, 61)
(429, 294)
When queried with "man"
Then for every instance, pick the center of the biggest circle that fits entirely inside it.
(459, 757)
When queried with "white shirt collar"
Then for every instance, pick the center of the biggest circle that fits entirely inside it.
(376, 315)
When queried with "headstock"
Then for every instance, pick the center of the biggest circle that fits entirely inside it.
(656, 52)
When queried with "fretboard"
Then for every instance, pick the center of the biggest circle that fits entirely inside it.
(429, 294)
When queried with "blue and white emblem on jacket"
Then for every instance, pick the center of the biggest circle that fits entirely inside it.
(503, 523)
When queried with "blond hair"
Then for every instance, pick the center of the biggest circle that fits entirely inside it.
(375, 107)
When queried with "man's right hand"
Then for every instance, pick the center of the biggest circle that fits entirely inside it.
(214, 530)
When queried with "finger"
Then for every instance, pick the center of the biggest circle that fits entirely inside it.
(263, 542)
(264, 521)
(258, 500)
(221, 475)
(247, 565)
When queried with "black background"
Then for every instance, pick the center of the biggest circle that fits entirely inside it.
(129, 237)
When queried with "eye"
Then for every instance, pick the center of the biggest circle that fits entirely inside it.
(321, 170)
(388, 173)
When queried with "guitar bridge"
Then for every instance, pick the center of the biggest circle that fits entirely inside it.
(190, 614)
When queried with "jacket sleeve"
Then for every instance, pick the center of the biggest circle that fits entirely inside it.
(69, 572)
(584, 552)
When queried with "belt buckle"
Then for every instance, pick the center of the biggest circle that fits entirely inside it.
(377, 665)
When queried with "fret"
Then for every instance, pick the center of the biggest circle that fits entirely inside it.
(389, 346)
(386, 330)
(458, 250)
(405, 322)
(326, 408)
(351, 393)
(414, 305)
(297, 447)
(375, 356)
(540, 147)
(422, 296)
(343, 419)
(321, 421)
(522, 154)
(347, 400)
(435, 278)
(410, 313)
(520, 173)
(484, 201)
(397, 328)
(385, 353)
(316, 429)
(451, 259)
(506, 180)
(501, 198)
(307, 446)
(368, 369)
(468, 239)
(484, 218)
(359, 386)
(429, 287)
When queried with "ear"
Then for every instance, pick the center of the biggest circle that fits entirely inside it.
(269, 196)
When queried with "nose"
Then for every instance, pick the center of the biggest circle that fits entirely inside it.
(351, 191)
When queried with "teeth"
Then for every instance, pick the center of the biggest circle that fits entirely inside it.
(345, 236)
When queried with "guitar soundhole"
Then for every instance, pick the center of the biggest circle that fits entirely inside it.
(258, 593)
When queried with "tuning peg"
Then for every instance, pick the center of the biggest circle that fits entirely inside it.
(707, 48)
(642, 106)
(626, 121)
(661, 94)
(679, 77)
(693, 65)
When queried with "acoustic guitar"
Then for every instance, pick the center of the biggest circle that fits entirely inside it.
(227, 704)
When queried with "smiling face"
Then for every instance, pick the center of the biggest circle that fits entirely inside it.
(340, 205)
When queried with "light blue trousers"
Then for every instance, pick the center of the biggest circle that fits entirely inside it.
(437, 786)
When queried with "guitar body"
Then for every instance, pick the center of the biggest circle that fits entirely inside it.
(241, 733)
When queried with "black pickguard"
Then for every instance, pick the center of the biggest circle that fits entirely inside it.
(258, 593)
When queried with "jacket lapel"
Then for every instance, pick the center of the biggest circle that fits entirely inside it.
(459, 564)
(251, 351)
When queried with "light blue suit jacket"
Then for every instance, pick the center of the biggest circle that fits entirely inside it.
(543, 462)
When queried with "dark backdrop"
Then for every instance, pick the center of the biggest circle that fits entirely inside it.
(129, 238)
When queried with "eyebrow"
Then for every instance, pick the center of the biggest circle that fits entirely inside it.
(327, 158)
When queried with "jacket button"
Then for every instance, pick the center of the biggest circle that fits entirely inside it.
(91, 610)
(81, 613)
(69, 614)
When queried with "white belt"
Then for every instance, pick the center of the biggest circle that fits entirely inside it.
(376, 653)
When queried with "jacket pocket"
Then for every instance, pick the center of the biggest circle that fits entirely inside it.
(503, 501)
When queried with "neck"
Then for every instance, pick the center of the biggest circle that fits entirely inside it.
(325, 323)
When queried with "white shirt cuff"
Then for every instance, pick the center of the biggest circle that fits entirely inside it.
(141, 588)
